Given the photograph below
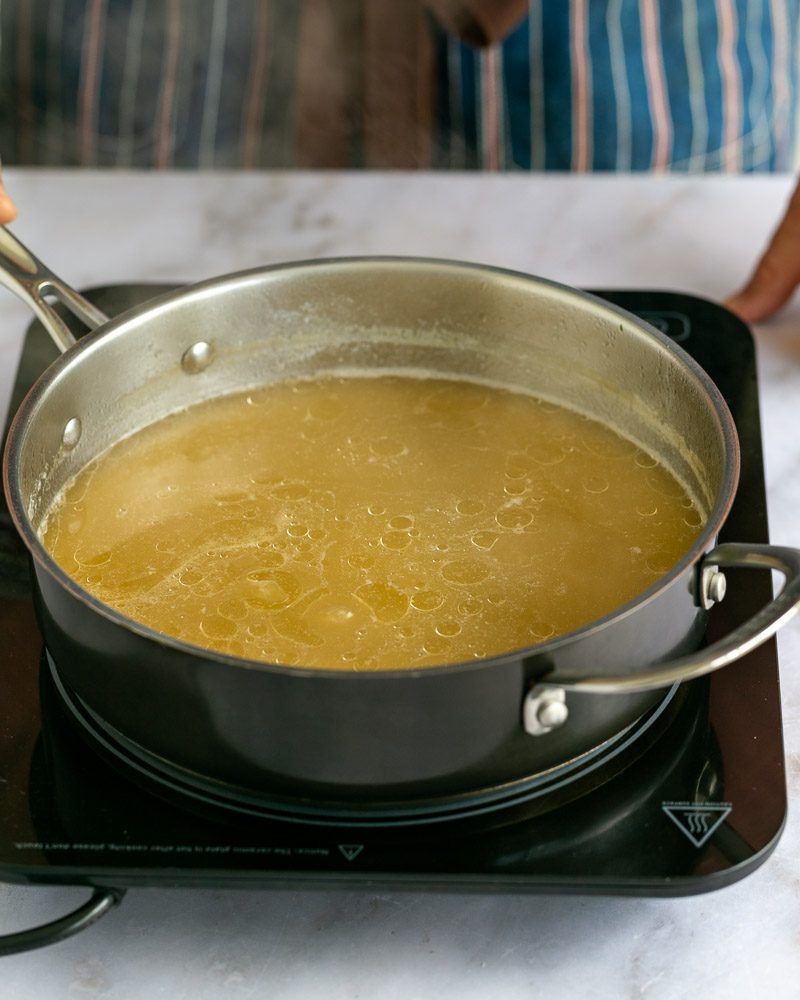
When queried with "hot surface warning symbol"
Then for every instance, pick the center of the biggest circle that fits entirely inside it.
(697, 820)
(351, 851)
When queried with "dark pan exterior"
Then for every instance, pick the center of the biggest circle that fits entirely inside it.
(343, 736)
(395, 735)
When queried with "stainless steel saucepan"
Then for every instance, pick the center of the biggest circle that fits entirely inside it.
(374, 743)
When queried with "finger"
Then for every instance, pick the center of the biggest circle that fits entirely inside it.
(778, 272)
(8, 210)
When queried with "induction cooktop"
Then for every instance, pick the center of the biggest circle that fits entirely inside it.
(696, 803)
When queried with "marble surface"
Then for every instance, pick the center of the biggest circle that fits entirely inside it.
(699, 235)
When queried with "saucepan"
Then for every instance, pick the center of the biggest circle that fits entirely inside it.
(386, 742)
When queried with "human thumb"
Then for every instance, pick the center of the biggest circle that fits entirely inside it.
(777, 273)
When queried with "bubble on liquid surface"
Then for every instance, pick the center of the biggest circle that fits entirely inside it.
(519, 466)
(385, 602)
(470, 606)
(596, 484)
(388, 447)
(395, 540)
(644, 460)
(660, 562)
(427, 600)
(465, 572)
(233, 609)
(448, 628)
(484, 539)
(217, 627)
(693, 518)
(272, 589)
(401, 522)
(513, 517)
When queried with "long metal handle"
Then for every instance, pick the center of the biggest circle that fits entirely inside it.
(27, 277)
(741, 640)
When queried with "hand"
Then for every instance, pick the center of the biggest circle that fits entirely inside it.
(479, 22)
(777, 274)
(8, 210)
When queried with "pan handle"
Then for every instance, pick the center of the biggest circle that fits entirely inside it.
(742, 640)
(31, 281)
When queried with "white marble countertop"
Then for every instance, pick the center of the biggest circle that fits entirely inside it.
(699, 235)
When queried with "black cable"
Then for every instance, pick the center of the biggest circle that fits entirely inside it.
(102, 900)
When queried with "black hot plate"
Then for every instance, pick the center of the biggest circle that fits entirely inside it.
(694, 801)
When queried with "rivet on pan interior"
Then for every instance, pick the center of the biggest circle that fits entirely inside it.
(197, 357)
(72, 433)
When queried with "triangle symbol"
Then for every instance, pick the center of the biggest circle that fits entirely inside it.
(351, 851)
(697, 820)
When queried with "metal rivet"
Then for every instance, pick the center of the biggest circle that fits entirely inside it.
(552, 714)
(544, 709)
(197, 357)
(717, 586)
(72, 433)
(713, 586)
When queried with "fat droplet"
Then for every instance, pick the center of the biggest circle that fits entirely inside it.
(469, 507)
(484, 539)
(595, 484)
(513, 517)
(464, 572)
(384, 601)
(427, 600)
(449, 628)
(217, 627)
(395, 540)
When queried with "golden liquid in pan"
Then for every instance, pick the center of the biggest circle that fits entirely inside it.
(368, 523)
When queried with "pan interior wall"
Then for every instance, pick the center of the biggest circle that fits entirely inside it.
(448, 320)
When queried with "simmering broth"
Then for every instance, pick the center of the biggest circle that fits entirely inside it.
(368, 523)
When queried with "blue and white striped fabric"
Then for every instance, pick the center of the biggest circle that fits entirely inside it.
(684, 85)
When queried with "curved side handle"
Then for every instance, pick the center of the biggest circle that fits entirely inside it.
(746, 637)
(28, 278)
